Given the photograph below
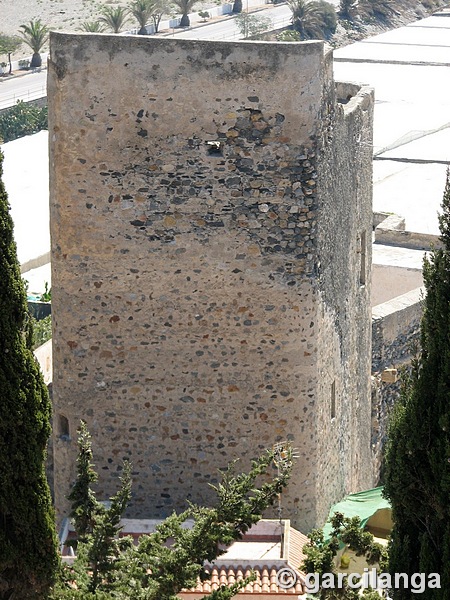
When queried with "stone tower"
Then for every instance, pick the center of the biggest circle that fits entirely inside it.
(211, 245)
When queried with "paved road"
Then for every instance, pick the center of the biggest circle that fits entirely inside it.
(28, 87)
(226, 29)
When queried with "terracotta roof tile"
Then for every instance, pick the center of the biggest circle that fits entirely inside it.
(265, 583)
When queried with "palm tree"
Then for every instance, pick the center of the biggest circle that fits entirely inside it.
(35, 34)
(114, 18)
(348, 9)
(185, 7)
(307, 18)
(142, 11)
(91, 27)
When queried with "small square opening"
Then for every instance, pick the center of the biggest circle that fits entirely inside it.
(214, 147)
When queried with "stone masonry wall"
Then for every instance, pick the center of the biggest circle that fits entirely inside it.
(395, 333)
(344, 250)
(188, 316)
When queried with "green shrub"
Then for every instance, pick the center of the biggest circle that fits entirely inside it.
(329, 17)
(42, 331)
(22, 119)
(289, 35)
(313, 19)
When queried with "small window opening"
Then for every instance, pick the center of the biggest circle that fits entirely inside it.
(215, 148)
(333, 400)
(362, 269)
(63, 424)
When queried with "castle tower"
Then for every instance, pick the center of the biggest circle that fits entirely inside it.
(211, 244)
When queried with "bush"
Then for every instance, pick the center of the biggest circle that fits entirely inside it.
(252, 26)
(22, 119)
(289, 35)
(378, 9)
(313, 19)
(329, 17)
(42, 331)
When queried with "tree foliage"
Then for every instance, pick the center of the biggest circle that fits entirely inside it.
(22, 119)
(141, 11)
(114, 18)
(313, 19)
(91, 27)
(42, 331)
(320, 554)
(28, 549)
(8, 45)
(174, 557)
(158, 9)
(35, 35)
(84, 502)
(417, 457)
(252, 26)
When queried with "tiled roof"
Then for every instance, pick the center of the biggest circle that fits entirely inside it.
(267, 548)
(295, 547)
(265, 583)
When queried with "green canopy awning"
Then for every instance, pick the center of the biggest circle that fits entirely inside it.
(363, 505)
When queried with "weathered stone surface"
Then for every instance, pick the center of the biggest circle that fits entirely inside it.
(395, 339)
(213, 286)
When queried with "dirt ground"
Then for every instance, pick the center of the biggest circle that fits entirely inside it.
(406, 11)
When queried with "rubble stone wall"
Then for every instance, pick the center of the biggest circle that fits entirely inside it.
(191, 322)
(344, 279)
(395, 335)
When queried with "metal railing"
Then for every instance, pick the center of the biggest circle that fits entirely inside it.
(25, 96)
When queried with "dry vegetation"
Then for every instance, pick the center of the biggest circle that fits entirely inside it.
(404, 12)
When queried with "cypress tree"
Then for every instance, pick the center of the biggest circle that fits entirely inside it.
(28, 547)
(417, 459)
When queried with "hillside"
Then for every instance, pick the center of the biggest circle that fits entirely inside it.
(68, 15)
